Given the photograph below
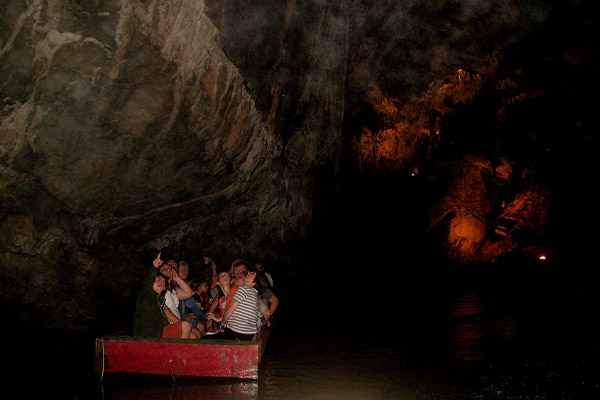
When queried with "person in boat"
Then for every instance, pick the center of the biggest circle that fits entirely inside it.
(202, 295)
(239, 270)
(242, 316)
(183, 269)
(261, 269)
(267, 297)
(209, 265)
(178, 291)
(219, 303)
(189, 308)
(146, 300)
(199, 303)
(152, 317)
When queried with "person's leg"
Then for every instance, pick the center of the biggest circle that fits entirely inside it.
(196, 334)
(186, 329)
(193, 306)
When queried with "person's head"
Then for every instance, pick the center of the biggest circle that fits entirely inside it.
(259, 267)
(202, 287)
(183, 270)
(167, 270)
(262, 283)
(240, 269)
(160, 283)
(173, 264)
(224, 278)
(249, 279)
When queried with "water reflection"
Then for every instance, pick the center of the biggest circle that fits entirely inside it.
(470, 332)
(181, 390)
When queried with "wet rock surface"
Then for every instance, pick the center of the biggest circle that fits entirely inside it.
(130, 126)
(126, 129)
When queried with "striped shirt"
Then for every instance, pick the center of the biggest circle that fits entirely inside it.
(245, 317)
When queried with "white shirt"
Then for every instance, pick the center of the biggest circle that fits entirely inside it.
(172, 302)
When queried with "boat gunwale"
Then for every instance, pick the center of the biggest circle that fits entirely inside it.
(260, 336)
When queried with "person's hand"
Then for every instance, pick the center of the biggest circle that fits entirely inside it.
(157, 261)
(211, 316)
(267, 314)
(208, 260)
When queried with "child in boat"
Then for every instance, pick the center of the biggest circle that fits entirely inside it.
(209, 265)
(199, 303)
(202, 295)
(242, 316)
(219, 304)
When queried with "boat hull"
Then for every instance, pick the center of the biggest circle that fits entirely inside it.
(178, 357)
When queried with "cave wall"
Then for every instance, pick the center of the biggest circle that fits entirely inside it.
(126, 128)
(494, 115)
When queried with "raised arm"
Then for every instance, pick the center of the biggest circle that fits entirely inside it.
(184, 291)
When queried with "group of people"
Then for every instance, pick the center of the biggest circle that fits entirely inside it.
(226, 304)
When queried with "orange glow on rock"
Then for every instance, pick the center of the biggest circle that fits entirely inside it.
(410, 127)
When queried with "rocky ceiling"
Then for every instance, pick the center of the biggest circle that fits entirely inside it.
(128, 126)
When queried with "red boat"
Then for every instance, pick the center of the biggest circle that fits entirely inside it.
(181, 357)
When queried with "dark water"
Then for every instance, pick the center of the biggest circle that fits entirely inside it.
(371, 337)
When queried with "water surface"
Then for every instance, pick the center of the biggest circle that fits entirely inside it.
(454, 338)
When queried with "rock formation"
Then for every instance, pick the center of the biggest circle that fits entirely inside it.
(127, 126)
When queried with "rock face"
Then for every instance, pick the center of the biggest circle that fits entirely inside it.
(125, 128)
(503, 139)
(483, 207)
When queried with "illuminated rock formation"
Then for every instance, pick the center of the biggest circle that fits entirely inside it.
(130, 125)
(482, 218)
(410, 130)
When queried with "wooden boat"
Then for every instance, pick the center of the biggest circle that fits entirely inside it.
(181, 357)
